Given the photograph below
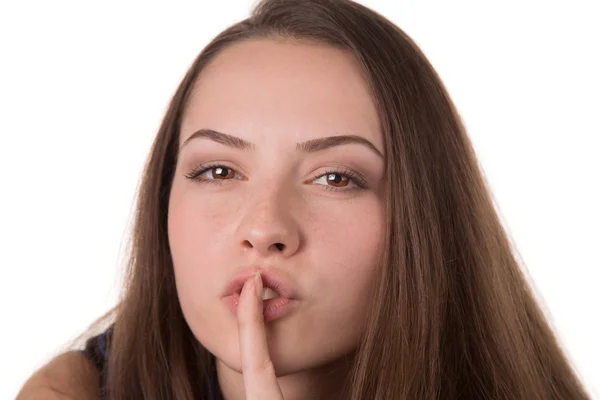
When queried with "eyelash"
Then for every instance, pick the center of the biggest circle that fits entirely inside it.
(354, 177)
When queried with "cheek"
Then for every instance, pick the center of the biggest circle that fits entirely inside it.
(345, 255)
(348, 242)
(195, 231)
(195, 224)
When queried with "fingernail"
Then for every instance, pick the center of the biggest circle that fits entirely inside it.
(258, 285)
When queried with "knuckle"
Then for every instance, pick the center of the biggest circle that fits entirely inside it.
(246, 323)
(267, 366)
(249, 321)
(243, 322)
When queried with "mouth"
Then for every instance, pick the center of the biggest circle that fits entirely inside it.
(279, 293)
(273, 307)
(269, 294)
(273, 280)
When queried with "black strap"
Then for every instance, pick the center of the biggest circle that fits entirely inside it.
(96, 350)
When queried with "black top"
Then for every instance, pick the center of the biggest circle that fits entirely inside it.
(96, 351)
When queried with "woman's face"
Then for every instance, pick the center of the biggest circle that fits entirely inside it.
(272, 205)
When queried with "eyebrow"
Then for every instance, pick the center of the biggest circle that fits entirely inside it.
(310, 146)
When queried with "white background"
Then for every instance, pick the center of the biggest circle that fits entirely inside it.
(84, 85)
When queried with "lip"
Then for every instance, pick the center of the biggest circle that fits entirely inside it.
(271, 279)
(272, 308)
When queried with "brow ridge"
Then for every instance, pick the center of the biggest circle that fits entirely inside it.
(310, 146)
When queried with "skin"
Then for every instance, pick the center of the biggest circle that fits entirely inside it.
(274, 94)
(68, 376)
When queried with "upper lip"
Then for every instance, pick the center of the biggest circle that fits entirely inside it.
(270, 277)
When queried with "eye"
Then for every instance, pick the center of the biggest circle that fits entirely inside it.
(344, 180)
(336, 179)
(219, 172)
(216, 173)
(341, 180)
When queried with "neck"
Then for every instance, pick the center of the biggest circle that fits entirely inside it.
(320, 383)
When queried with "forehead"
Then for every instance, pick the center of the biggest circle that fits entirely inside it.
(283, 89)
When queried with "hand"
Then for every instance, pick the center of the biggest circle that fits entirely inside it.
(258, 371)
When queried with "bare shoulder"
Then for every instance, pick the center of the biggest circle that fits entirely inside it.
(68, 376)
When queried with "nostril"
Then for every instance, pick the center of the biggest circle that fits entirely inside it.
(280, 246)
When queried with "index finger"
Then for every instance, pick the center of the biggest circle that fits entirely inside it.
(258, 371)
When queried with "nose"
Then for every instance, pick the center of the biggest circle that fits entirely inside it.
(268, 228)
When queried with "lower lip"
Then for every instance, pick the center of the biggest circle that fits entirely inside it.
(272, 309)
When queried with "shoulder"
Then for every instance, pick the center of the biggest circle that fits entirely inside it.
(68, 376)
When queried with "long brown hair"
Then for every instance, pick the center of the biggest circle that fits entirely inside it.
(453, 316)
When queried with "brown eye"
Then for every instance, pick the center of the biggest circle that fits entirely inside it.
(337, 180)
(214, 173)
(221, 173)
(345, 180)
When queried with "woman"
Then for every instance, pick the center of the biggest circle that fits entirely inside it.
(312, 224)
